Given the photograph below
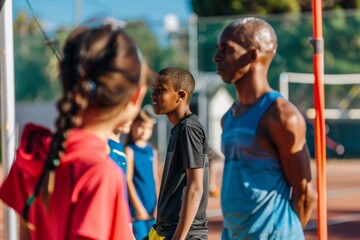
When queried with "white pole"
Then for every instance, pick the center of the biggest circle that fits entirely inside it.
(78, 8)
(194, 69)
(193, 46)
(7, 107)
(284, 85)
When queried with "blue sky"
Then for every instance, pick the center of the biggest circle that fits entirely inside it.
(62, 12)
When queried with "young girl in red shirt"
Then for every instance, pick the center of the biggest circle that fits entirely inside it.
(63, 184)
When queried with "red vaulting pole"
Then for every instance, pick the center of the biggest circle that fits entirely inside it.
(320, 135)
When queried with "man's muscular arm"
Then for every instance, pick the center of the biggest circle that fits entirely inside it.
(288, 132)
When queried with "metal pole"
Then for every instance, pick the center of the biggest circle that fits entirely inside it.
(193, 45)
(194, 69)
(1, 4)
(284, 85)
(320, 133)
(77, 12)
(162, 134)
(7, 107)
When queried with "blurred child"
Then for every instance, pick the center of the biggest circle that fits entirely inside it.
(142, 174)
(64, 185)
(185, 181)
(116, 147)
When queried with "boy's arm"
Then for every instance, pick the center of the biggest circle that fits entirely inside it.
(156, 178)
(191, 202)
(140, 211)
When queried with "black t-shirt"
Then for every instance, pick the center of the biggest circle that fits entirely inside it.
(187, 149)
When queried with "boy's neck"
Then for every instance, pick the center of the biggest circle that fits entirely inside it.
(176, 116)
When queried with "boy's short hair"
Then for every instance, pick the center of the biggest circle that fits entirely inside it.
(180, 79)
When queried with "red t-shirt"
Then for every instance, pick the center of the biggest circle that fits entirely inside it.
(89, 196)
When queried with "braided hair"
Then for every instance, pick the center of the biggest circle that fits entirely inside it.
(100, 69)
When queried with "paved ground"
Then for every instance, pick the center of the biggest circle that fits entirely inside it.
(343, 199)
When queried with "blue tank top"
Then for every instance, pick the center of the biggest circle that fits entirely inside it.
(117, 153)
(255, 196)
(144, 179)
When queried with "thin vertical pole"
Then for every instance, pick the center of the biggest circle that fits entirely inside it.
(320, 135)
(7, 101)
(78, 11)
(194, 69)
(193, 45)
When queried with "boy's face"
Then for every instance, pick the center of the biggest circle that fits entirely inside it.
(164, 98)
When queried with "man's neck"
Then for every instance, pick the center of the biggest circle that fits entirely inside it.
(250, 91)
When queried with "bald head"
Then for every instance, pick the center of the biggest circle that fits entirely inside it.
(252, 32)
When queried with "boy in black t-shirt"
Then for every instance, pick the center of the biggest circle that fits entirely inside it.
(184, 187)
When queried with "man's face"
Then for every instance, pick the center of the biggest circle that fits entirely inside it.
(164, 97)
(232, 60)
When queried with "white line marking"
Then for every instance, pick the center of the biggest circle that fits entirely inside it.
(335, 193)
(337, 220)
(331, 194)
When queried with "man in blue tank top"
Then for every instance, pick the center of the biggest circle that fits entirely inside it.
(267, 190)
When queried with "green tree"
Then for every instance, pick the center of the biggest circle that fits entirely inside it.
(342, 44)
(236, 7)
(36, 68)
(306, 5)
(157, 56)
(32, 58)
(23, 25)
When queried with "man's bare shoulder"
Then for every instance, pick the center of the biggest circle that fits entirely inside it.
(285, 126)
(284, 114)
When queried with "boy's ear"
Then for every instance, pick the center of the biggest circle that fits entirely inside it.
(182, 94)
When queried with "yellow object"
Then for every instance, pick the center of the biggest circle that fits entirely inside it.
(214, 192)
(153, 235)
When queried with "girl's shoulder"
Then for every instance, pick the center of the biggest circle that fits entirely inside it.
(101, 175)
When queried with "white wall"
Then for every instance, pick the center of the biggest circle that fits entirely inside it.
(218, 105)
(40, 113)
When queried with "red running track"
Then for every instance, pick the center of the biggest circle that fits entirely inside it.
(343, 200)
(343, 195)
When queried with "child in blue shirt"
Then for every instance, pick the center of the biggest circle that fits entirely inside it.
(142, 174)
(117, 150)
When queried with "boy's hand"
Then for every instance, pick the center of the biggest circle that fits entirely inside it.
(154, 213)
(141, 214)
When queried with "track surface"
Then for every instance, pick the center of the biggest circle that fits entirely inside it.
(343, 200)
